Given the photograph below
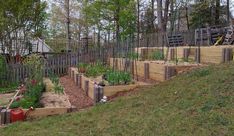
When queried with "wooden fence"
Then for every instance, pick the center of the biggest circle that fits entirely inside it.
(57, 63)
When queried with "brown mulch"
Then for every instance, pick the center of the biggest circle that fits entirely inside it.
(76, 96)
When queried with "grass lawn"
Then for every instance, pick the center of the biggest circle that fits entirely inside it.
(200, 103)
(9, 88)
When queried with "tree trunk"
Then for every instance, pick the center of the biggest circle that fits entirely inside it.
(138, 26)
(228, 12)
(217, 12)
(159, 14)
(68, 25)
(187, 17)
(152, 15)
(165, 18)
(171, 16)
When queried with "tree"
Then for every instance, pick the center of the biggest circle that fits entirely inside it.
(162, 18)
(20, 21)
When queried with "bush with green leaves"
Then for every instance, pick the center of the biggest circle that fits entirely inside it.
(118, 77)
(34, 83)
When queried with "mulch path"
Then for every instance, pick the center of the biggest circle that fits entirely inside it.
(76, 96)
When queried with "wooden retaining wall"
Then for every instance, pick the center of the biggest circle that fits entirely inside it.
(211, 54)
(154, 70)
(93, 90)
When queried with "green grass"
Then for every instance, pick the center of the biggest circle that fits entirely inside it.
(200, 103)
(9, 88)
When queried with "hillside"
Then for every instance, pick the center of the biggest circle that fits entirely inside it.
(198, 103)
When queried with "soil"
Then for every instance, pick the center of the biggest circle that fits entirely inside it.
(77, 97)
(126, 93)
(51, 99)
(5, 98)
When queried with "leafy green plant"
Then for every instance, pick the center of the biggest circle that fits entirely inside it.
(157, 55)
(55, 80)
(82, 67)
(95, 70)
(35, 63)
(118, 77)
(132, 55)
(58, 89)
(31, 97)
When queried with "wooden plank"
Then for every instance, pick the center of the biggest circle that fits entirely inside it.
(111, 90)
(43, 112)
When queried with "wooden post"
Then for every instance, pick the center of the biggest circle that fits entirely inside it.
(228, 54)
(69, 74)
(132, 67)
(8, 116)
(197, 55)
(73, 75)
(3, 116)
(87, 87)
(95, 93)
(169, 72)
(146, 71)
(100, 93)
(223, 55)
(77, 79)
(186, 54)
(172, 54)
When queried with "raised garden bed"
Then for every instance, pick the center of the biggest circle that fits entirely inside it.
(204, 54)
(94, 90)
(41, 100)
(155, 70)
